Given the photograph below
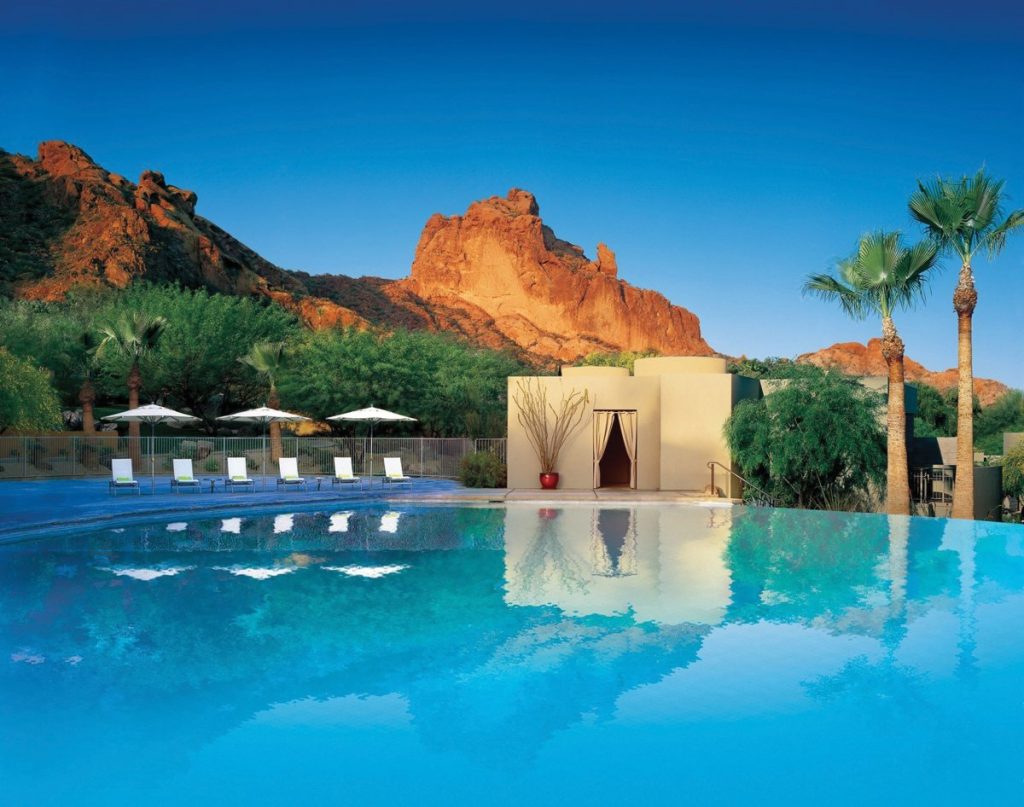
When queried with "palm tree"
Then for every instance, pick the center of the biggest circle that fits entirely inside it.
(964, 217)
(87, 344)
(269, 359)
(881, 276)
(132, 336)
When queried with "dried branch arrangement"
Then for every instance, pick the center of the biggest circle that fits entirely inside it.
(547, 427)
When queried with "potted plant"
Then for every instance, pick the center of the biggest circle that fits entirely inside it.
(548, 427)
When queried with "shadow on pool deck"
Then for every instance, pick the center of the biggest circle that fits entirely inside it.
(64, 504)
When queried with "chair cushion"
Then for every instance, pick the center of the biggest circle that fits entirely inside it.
(239, 479)
(124, 479)
(186, 479)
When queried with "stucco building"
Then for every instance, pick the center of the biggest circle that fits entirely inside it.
(654, 429)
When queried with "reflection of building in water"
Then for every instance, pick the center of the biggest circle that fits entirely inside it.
(663, 564)
(614, 543)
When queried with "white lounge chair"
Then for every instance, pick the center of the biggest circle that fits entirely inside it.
(183, 477)
(121, 477)
(290, 473)
(238, 475)
(343, 472)
(393, 470)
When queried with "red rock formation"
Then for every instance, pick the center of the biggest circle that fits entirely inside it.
(119, 232)
(857, 359)
(497, 275)
(500, 265)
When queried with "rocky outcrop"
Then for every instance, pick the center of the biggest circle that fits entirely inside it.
(857, 359)
(496, 275)
(116, 232)
(501, 267)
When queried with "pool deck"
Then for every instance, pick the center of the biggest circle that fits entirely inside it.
(29, 508)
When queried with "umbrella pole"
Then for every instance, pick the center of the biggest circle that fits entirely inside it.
(152, 459)
(265, 455)
(371, 452)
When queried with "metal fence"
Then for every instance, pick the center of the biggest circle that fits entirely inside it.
(935, 484)
(79, 456)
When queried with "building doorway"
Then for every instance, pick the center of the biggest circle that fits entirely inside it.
(614, 449)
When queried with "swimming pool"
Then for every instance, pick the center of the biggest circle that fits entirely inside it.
(442, 654)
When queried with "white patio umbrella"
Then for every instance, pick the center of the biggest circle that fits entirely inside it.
(264, 415)
(371, 415)
(151, 414)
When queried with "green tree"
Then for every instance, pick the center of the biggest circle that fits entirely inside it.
(196, 362)
(936, 412)
(132, 336)
(815, 442)
(28, 401)
(965, 217)
(1005, 415)
(50, 336)
(450, 387)
(881, 277)
(1013, 471)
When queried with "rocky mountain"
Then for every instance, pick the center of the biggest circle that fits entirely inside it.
(496, 275)
(857, 359)
(67, 222)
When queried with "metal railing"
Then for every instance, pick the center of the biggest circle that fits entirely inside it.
(762, 497)
(935, 484)
(27, 457)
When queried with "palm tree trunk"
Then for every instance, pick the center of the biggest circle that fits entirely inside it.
(134, 432)
(274, 402)
(898, 475)
(965, 298)
(87, 397)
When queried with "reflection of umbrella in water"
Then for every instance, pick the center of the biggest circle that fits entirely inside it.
(263, 415)
(371, 415)
(151, 414)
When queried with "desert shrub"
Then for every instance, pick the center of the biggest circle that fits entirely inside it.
(626, 358)
(483, 469)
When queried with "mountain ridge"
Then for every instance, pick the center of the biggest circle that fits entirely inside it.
(495, 275)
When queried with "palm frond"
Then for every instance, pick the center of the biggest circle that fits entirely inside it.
(964, 215)
(996, 238)
(267, 358)
(852, 300)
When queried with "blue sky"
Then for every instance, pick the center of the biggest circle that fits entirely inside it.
(723, 153)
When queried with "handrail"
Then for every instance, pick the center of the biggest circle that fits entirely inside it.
(766, 497)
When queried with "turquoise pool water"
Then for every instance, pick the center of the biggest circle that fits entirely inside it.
(473, 655)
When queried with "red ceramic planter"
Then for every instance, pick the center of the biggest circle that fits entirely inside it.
(549, 481)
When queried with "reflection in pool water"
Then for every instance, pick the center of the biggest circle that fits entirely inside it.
(661, 654)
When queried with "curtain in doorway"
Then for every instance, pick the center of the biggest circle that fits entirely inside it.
(602, 431)
(627, 423)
